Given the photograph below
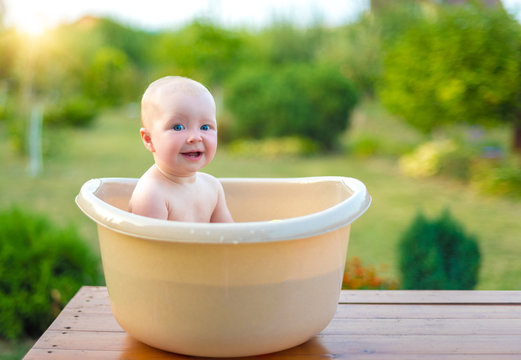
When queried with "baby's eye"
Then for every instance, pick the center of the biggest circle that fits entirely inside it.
(178, 127)
(205, 127)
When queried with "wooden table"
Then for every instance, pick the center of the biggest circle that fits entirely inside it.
(367, 325)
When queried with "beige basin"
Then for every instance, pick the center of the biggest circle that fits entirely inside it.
(265, 283)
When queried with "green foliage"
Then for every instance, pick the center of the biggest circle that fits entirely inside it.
(41, 267)
(391, 19)
(75, 111)
(110, 78)
(201, 50)
(484, 167)
(460, 66)
(357, 48)
(427, 159)
(285, 43)
(303, 100)
(501, 177)
(437, 254)
(364, 145)
(95, 59)
(133, 42)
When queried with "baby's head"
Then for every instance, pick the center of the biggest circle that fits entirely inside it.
(160, 92)
(179, 124)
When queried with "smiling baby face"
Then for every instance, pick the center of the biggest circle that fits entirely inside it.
(179, 125)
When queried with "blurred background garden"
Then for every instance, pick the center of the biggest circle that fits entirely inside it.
(419, 99)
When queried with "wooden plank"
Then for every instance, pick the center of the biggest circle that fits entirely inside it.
(429, 297)
(367, 323)
(86, 340)
(99, 308)
(421, 345)
(36, 354)
(323, 343)
(85, 322)
(89, 296)
(427, 311)
(349, 327)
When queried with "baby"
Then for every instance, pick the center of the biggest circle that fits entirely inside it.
(180, 129)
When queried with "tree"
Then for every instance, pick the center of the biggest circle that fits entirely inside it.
(438, 255)
(110, 78)
(202, 50)
(462, 66)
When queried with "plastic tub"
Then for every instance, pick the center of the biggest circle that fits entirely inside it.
(265, 283)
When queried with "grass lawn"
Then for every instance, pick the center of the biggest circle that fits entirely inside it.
(113, 149)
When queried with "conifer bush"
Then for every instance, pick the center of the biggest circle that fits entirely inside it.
(437, 254)
(41, 268)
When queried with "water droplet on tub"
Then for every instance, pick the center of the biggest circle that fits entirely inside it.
(221, 238)
(192, 231)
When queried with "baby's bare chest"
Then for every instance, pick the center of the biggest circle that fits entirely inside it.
(195, 203)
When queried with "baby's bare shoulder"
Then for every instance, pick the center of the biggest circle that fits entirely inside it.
(148, 186)
(148, 189)
(208, 179)
(148, 199)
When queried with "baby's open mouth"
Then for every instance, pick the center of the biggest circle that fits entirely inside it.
(192, 154)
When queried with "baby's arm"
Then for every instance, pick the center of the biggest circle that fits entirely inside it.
(147, 201)
(221, 214)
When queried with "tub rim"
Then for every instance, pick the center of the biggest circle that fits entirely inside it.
(324, 221)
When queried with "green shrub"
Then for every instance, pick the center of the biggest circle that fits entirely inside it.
(41, 267)
(365, 145)
(447, 158)
(457, 164)
(425, 160)
(498, 177)
(437, 254)
(309, 101)
(74, 111)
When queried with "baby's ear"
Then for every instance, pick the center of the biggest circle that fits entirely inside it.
(147, 139)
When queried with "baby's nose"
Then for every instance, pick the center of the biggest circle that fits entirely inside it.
(193, 137)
